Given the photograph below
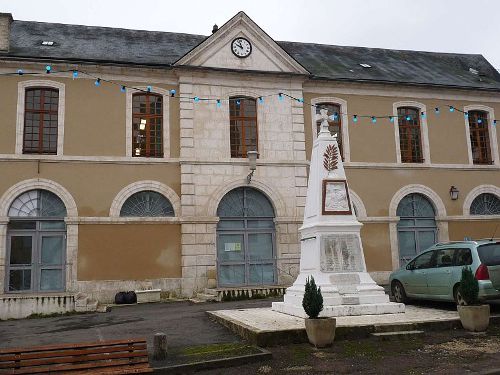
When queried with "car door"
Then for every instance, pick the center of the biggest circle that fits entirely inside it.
(439, 277)
(415, 282)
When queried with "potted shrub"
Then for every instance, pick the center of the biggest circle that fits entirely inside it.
(473, 315)
(320, 331)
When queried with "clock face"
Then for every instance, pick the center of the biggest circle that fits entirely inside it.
(241, 47)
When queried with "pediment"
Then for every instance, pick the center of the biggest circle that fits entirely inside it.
(266, 55)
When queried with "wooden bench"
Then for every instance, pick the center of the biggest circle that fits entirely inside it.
(107, 357)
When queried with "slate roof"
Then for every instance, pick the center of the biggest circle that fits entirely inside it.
(103, 44)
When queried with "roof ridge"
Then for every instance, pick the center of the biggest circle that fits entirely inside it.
(381, 48)
(110, 28)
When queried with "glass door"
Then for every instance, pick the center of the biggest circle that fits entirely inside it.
(20, 255)
(51, 261)
(261, 263)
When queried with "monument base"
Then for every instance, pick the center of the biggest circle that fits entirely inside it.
(342, 310)
(346, 293)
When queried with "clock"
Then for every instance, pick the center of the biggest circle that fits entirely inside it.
(241, 47)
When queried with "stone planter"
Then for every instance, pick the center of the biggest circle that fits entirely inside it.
(474, 318)
(149, 295)
(321, 331)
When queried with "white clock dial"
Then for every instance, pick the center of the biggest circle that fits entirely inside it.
(241, 47)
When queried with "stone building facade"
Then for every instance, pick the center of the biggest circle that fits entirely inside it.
(94, 170)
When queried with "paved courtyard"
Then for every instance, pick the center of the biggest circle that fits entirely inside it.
(184, 323)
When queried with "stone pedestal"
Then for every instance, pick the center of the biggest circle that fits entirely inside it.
(331, 247)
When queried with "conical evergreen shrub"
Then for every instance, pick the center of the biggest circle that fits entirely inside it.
(469, 287)
(313, 300)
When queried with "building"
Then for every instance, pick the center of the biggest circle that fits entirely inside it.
(123, 154)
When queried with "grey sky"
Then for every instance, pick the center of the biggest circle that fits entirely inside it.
(462, 26)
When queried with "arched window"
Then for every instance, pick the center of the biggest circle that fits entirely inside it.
(243, 126)
(245, 239)
(485, 204)
(334, 121)
(41, 106)
(147, 204)
(417, 226)
(36, 243)
(479, 137)
(147, 125)
(410, 136)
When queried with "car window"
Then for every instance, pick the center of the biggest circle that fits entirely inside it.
(424, 260)
(444, 257)
(463, 257)
(489, 254)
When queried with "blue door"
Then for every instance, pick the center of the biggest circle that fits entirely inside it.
(417, 229)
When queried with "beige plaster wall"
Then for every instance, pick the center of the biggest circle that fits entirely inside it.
(94, 116)
(473, 229)
(129, 251)
(92, 185)
(376, 246)
(376, 142)
(376, 187)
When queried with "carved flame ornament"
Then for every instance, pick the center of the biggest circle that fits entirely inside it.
(331, 158)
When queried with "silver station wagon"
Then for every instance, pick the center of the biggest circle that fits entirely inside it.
(436, 272)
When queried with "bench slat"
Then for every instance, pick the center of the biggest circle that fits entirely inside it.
(72, 346)
(70, 352)
(144, 369)
(74, 359)
(79, 366)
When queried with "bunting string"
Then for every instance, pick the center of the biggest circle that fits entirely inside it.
(98, 81)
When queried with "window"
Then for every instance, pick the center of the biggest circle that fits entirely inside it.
(479, 137)
(410, 141)
(40, 120)
(463, 257)
(423, 261)
(485, 204)
(36, 243)
(147, 125)
(243, 126)
(334, 121)
(147, 204)
(444, 257)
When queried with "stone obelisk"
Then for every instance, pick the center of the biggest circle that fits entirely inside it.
(331, 250)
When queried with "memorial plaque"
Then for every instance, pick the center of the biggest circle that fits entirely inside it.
(341, 253)
(336, 198)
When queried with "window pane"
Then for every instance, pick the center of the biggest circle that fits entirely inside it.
(426, 239)
(260, 224)
(463, 257)
(260, 246)
(242, 126)
(19, 280)
(262, 274)
(53, 225)
(485, 204)
(444, 257)
(20, 250)
(407, 244)
(51, 280)
(424, 260)
(489, 254)
(147, 204)
(231, 224)
(52, 250)
(231, 247)
(22, 225)
(232, 275)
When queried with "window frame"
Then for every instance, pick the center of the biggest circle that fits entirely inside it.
(424, 134)
(129, 121)
(492, 134)
(242, 137)
(22, 87)
(150, 150)
(346, 150)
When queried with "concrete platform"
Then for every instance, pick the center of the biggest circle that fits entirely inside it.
(265, 327)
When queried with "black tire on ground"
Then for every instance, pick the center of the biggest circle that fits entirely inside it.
(120, 298)
(456, 295)
(398, 292)
(130, 297)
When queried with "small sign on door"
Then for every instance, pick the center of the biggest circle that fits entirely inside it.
(232, 246)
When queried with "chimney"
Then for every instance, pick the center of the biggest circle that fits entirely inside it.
(5, 23)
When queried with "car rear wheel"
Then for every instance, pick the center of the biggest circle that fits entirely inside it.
(457, 296)
(398, 291)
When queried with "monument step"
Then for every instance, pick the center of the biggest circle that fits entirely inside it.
(396, 335)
